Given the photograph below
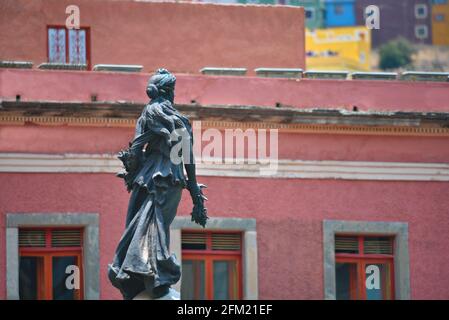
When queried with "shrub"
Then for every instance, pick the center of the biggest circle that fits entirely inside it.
(396, 54)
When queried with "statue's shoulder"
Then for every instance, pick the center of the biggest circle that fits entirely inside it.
(151, 106)
(153, 109)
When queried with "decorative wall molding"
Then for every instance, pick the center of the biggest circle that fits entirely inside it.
(70, 121)
(286, 169)
(205, 124)
(331, 129)
(338, 120)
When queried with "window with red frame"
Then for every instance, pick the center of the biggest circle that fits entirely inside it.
(211, 266)
(68, 45)
(48, 256)
(364, 267)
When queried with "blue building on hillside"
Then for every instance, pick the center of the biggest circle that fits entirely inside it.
(339, 13)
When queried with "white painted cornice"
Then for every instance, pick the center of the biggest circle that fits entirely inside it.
(286, 169)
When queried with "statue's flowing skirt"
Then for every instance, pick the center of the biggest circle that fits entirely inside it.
(142, 260)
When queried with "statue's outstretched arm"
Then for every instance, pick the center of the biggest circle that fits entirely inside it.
(199, 212)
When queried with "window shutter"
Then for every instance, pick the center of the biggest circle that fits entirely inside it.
(226, 241)
(66, 238)
(346, 244)
(211, 241)
(193, 240)
(31, 238)
(378, 245)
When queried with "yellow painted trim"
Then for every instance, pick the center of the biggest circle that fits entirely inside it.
(290, 128)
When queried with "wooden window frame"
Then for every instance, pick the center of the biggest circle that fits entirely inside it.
(67, 58)
(45, 278)
(361, 260)
(209, 256)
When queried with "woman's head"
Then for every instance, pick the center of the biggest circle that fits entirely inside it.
(162, 84)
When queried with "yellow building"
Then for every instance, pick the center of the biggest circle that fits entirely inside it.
(440, 23)
(345, 48)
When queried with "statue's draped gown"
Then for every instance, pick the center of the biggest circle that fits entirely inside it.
(142, 260)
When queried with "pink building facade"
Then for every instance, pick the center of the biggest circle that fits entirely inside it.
(362, 172)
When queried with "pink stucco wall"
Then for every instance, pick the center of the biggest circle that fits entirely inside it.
(33, 85)
(183, 37)
(289, 225)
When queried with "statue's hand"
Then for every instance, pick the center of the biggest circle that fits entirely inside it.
(199, 212)
(131, 160)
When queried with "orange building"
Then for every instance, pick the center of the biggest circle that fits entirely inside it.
(440, 22)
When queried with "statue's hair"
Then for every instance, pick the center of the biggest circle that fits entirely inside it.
(162, 82)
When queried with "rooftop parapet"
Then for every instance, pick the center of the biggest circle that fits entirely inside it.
(350, 95)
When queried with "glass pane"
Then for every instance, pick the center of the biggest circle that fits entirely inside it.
(378, 245)
(194, 240)
(193, 280)
(345, 244)
(31, 278)
(346, 281)
(65, 280)
(56, 45)
(225, 280)
(378, 281)
(77, 46)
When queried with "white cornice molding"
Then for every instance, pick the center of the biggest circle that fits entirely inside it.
(286, 169)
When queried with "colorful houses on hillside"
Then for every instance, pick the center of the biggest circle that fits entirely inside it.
(339, 13)
(337, 37)
(419, 21)
(410, 19)
(338, 49)
(440, 22)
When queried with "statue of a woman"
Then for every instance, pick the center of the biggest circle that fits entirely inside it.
(142, 262)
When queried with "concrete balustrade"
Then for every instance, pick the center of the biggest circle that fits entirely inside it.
(342, 75)
(62, 66)
(16, 64)
(425, 76)
(279, 72)
(374, 76)
(214, 71)
(118, 67)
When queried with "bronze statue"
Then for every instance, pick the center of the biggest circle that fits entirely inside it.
(142, 261)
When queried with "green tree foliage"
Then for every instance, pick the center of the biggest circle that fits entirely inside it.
(396, 54)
